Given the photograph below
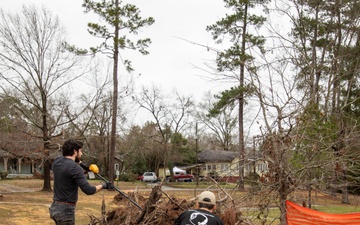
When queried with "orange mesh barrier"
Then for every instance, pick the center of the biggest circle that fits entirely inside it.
(298, 215)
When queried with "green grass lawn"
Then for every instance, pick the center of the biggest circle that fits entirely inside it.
(339, 209)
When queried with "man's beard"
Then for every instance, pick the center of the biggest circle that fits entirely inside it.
(77, 159)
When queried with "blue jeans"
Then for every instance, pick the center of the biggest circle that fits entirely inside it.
(62, 213)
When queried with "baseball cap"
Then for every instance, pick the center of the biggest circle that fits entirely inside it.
(207, 197)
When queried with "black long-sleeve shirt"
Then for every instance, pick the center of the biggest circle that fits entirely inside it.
(68, 176)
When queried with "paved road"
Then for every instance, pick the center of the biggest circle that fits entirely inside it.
(169, 188)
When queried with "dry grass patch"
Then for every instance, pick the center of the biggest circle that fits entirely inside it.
(33, 207)
(25, 208)
(28, 208)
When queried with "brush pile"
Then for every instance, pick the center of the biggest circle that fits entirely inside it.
(159, 208)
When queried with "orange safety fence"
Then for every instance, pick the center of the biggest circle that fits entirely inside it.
(298, 215)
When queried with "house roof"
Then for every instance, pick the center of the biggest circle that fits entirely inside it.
(21, 145)
(216, 156)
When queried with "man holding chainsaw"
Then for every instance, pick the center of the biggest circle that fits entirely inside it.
(68, 177)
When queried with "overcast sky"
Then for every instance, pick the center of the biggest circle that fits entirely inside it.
(172, 62)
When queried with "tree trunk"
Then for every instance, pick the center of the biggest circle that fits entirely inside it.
(241, 105)
(344, 189)
(46, 139)
(170, 167)
(333, 184)
(283, 209)
(309, 196)
(47, 178)
(166, 159)
(345, 195)
(115, 97)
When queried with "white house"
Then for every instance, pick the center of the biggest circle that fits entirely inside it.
(226, 164)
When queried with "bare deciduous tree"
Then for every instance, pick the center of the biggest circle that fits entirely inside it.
(220, 124)
(36, 69)
(170, 115)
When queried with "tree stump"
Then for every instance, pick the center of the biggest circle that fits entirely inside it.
(150, 205)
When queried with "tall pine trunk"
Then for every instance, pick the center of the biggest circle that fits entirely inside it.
(115, 96)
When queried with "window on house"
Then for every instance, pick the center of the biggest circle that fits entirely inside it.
(265, 167)
(224, 167)
(262, 167)
(213, 167)
(208, 167)
(248, 167)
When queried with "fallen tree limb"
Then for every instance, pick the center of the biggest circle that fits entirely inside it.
(167, 195)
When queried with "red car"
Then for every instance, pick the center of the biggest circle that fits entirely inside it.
(140, 178)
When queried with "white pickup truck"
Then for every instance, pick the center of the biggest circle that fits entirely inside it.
(181, 177)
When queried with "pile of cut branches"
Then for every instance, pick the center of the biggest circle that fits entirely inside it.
(159, 208)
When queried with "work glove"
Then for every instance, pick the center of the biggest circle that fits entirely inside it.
(94, 168)
(107, 185)
(84, 166)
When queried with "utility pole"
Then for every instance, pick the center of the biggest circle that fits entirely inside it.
(196, 158)
(196, 154)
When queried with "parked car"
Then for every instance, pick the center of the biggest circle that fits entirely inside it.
(181, 177)
(149, 177)
(140, 178)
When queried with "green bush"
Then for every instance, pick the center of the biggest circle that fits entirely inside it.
(3, 175)
(127, 177)
(253, 177)
(253, 180)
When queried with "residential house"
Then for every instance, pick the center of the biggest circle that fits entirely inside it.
(17, 165)
(218, 163)
(22, 157)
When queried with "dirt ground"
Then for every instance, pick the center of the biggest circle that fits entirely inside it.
(234, 207)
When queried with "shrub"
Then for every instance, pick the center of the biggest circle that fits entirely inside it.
(3, 175)
(127, 177)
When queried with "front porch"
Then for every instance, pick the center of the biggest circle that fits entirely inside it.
(18, 167)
